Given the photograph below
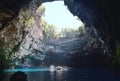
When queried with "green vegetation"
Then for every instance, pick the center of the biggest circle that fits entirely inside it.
(82, 30)
(74, 32)
(30, 21)
(50, 31)
(41, 10)
(118, 53)
(69, 32)
(5, 56)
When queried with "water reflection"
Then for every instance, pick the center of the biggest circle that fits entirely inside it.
(52, 76)
(59, 75)
(73, 74)
(56, 75)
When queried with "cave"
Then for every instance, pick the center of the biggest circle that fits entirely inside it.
(16, 35)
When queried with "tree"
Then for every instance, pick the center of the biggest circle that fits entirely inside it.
(41, 10)
(50, 31)
(82, 30)
(5, 56)
(69, 32)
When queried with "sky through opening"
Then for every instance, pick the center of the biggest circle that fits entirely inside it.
(56, 13)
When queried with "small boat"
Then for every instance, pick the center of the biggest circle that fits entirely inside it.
(58, 68)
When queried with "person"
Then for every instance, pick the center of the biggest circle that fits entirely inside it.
(18, 76)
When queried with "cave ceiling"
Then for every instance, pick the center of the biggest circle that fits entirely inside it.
(103, 14)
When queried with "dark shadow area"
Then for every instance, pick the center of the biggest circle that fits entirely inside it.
(1, 71)
(18, 76)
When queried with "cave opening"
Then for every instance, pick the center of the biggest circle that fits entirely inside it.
(43, 44)
(78, 45)
(51, 42)
(62, 31)
(26, 45)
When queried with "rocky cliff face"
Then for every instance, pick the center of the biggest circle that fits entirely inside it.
(103, 14)
(10, 30)
(21, 35)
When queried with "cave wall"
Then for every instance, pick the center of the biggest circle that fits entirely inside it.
(13, 5)
(20, 30)
(102, 14)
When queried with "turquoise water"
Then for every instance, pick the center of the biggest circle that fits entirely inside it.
(72, 74)
(26, 70)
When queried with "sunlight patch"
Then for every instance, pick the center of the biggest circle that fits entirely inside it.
(57, 13)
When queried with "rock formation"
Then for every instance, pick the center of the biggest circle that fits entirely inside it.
(17, 36)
